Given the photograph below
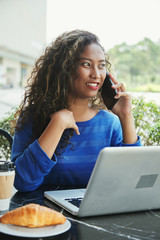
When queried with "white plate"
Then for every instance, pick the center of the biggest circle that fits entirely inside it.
(35, 232)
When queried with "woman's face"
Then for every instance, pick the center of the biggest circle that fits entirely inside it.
(90, 72)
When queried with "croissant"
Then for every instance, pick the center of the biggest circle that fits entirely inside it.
(33, 215)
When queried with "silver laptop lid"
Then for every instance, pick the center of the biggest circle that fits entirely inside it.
(124, 179)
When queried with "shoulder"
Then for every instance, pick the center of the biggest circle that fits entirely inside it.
(108, 115)
(25, 127)
(109, 120)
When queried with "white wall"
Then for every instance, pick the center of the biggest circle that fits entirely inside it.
(23, 25)
(22, 35)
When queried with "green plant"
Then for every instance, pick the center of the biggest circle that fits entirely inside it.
(147, 120)
(137, 65)
(6, 124)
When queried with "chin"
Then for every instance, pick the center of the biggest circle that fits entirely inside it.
(93, 95)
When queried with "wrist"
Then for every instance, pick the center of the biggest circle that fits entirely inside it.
(58, 122)
(128, 129)
(126, 118)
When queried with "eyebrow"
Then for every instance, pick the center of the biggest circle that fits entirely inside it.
(84, 58)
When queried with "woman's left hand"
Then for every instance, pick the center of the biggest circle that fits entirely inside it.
(123, 107)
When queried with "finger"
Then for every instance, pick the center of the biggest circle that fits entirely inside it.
(122, 94)
(114, 80)
(119, 86)
(116, 85)
(76, 129)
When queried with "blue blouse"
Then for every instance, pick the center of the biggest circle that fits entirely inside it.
(74, 166)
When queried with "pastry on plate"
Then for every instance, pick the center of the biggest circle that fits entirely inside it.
(33, 215)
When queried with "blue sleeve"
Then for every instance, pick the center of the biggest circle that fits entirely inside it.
(138, 143)
(117, 137)
(32, 163)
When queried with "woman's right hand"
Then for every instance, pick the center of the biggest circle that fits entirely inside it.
(51, 136)
(66, 119)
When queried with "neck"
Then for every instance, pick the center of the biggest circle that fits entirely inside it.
(81, 110)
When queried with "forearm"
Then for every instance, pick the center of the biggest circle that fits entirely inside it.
(128, 129)
(32, 164)
(51, 137)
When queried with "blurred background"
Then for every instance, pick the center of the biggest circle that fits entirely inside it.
(128, 29)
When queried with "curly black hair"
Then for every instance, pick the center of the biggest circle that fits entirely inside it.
(51, 81)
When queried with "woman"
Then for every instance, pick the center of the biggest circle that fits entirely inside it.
(62, 126)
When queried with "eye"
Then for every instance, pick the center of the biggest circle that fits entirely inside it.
(86, 64)
(103, 65)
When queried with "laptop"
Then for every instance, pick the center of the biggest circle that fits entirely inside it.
(124, 179)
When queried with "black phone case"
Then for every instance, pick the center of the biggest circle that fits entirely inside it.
(108, 93)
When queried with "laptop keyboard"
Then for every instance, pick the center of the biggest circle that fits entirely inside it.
(74, 201)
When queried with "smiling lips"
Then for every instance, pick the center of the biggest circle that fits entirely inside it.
(93, 85)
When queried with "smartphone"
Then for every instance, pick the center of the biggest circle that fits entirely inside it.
(108, 93)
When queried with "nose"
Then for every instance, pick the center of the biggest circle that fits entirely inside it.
(95, 73)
